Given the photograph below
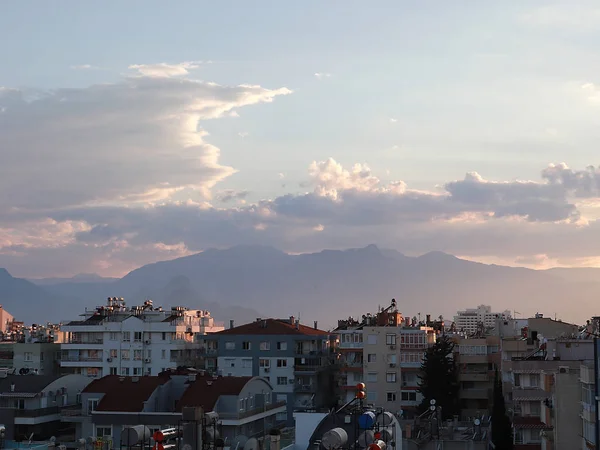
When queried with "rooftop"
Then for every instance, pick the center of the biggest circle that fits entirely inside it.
(274, 327)
(30, 384)
(125, 394)
(206, 390)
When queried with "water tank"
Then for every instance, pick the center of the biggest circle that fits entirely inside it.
(386, 435)
(131, 436)
(385, 419)
(366, 420)
(377, 445)
(366, 438)
(335, 438)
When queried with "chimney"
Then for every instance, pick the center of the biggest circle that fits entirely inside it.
(297, 324)
(316, 328)
(231, 324)
(275, 435)
(428, 316)
(292, 320)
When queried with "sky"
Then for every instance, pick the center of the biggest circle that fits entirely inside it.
(132, 132)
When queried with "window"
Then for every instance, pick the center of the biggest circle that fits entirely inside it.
(264, 346)
(28, 356)
(246, 345)
(113, 371)
(264, 363)
(148, 353)
(390, 339)
(391, 396)
(372, 339)
(163, 354)
(372, 377)
(125, 354)
(125, 371)
(392, 358)
(114, 336)
(113, 353)
(534, 379)
(282, 381)
(229, 345)
(149, 372)
(535, 408)
(126, 336)
(282, 346)
(371, 357)
(137, 336)
(390, 377)
(282, 363)
(246, 363)
(372, 396)
(103, 432)
(137, 355)
(137, 371)
(517, 380)
(93, 372)
(20, 403)
(164, 336)
(92, 405)
(409, 396)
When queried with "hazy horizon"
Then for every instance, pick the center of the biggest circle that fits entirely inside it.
(467, 128)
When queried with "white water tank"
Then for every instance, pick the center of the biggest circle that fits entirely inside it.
(334, 439)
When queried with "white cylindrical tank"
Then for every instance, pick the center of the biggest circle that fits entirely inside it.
(385, 419)
(366, 438)
(134, 435)
(334, 439)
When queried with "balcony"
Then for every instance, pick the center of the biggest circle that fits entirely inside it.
(466, 376)
(472, 359)
(252, 412)
(307, 368)
(481, 394)
(73, 413)
(350, 345)
(39, 412)
(81, 359)
(94, 341)
(305, 388)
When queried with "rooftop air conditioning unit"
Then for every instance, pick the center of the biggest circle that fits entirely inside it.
(392, 347)
(148, 342)
(147, 360)
(108, 359)
(267, 370)
(392, 364)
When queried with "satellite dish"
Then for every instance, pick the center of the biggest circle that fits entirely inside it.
(251, 444)
(432, 401)
(477, 422)
(432, 408)
(53, 439)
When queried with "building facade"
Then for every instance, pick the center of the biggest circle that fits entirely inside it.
(294, 358)
(140, 340)
(470, 320)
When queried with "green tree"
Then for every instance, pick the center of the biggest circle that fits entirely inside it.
(439, 378)
(502, 435)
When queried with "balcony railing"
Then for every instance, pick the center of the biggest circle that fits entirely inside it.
(85, 341)
(251, 412)
(72, 411)
(39, 412)
(305, 388)
(81, 358)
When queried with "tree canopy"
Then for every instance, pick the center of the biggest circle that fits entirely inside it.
(439, 378)
(502, 434)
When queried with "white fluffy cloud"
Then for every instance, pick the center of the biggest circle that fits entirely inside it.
(134, 141)
(165, 70)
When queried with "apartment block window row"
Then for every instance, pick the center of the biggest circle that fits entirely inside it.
(139, 336)
(527, 380)
(390, 377)
(473, 350)
(411, 357)
(351, 338)
(391, 396)
(390, 339)
(413, 340)
(409, 396)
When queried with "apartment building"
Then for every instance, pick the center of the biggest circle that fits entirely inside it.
(131, 341)
(477, 359)
(470, 320)
(385, 351)
(295, 358)
(588, 414)
(541, 381)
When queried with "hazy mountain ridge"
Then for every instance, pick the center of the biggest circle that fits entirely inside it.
(236, 283)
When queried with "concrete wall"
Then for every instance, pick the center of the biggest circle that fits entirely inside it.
(40, 356)
(567, 406)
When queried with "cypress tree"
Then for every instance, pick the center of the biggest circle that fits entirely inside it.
(502, 434)
(439, 378)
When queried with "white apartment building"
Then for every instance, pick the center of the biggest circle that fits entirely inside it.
(469, 319)
(132, 341)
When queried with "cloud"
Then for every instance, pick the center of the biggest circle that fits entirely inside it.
(133, 142)
(570, 16)
(161, 70)
(243, 134)
(229, 195)
(321, 75)
(84, 67)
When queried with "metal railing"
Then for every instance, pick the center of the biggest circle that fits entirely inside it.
(39, 412)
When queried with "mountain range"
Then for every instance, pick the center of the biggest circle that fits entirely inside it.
(245, 282)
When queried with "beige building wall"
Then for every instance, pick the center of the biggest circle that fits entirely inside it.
(382, 369)
(5, 319)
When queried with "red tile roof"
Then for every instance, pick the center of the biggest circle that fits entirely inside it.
(123, 394)
(273, 327)
(206, 390)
